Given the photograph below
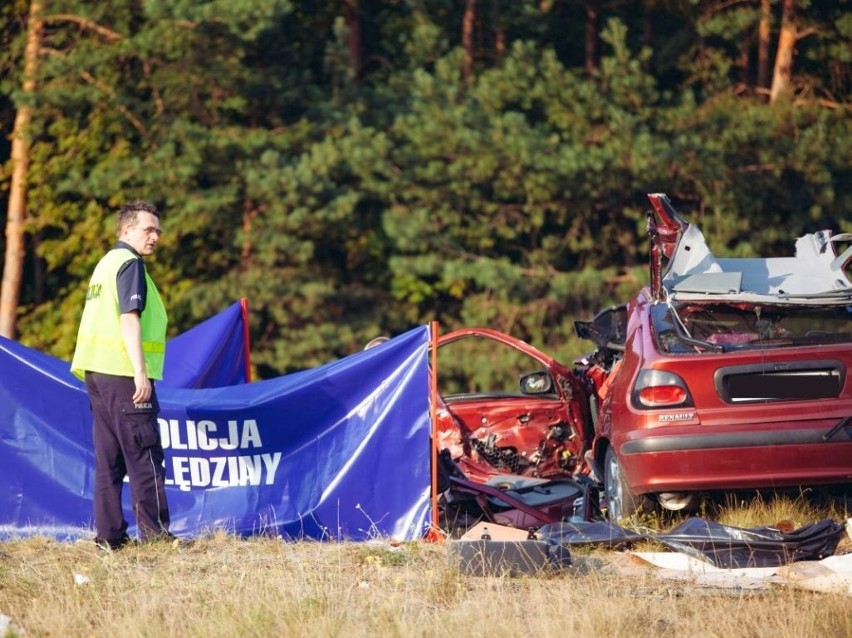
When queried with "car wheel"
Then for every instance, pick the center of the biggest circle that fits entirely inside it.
(621, 502)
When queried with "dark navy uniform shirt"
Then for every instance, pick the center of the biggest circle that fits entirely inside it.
(130, 283)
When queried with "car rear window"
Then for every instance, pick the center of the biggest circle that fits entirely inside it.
(701, 327)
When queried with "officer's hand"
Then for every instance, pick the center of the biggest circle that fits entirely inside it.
(143, 388)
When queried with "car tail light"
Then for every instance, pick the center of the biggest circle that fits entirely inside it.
(656, 389)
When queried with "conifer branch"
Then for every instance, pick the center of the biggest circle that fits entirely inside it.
(89, 25)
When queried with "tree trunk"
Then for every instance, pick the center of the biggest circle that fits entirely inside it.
(783, 72)
(745, 60)
(250, 211)
(591, 40)
(468, 22)
(763, 38)
(13, 266)
(648, 31)
(353, 40)
(38, 268)
(499, 34)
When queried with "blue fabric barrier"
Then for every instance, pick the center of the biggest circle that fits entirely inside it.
(213, 354)
(339, 451)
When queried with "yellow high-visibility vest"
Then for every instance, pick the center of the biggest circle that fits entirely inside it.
(100, 347)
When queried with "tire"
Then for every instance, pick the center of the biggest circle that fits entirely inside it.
(621, 502)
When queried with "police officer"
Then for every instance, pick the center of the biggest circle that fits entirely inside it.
(121, 346)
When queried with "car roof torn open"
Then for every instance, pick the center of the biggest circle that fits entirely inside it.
(815, 275)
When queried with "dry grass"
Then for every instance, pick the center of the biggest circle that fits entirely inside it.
(225, 586)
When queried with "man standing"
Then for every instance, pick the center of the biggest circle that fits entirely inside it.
(121, 345)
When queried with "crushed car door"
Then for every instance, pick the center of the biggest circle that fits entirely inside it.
(507, 408)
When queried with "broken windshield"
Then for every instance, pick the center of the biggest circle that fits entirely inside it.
(697, 327)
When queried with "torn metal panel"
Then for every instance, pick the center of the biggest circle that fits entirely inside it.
(816, 274)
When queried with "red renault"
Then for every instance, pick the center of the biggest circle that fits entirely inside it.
(722, 373)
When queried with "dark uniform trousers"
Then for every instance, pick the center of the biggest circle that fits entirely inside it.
(127, 443)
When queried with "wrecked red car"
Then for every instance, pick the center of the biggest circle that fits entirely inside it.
(722, 373)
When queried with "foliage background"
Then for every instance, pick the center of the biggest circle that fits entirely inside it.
(359, 167)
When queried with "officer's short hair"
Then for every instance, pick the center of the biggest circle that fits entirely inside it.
(129, 213)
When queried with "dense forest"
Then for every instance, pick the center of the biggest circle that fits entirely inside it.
(360, 167)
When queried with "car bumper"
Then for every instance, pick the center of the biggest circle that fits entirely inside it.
(705, 460)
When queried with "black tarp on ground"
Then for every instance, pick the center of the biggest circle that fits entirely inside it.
(724, 546)
(601, 533)
(733, 547)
